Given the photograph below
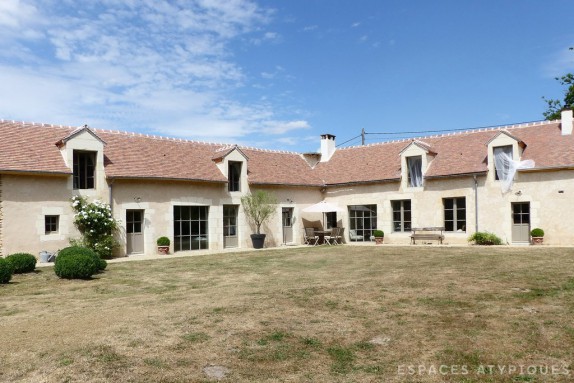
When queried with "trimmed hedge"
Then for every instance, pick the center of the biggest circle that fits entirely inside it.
(485, 238)
(537, 232)
(22, 262)
(6, 271)
(77, 262)
(378, 233)
(102, 264)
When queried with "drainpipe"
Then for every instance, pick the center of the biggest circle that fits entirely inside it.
(475, 204)
(110, 195)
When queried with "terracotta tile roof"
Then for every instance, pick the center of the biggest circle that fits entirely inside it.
(456, 154)
(280, 168)
(28, 147)
(141, 156)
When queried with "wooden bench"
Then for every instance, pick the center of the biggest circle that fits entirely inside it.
(427, 233)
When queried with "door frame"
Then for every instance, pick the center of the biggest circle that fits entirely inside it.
(129, 234)
(526, 232)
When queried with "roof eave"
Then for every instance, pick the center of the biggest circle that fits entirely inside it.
(286, 184)
(385, 180)
(158, 178)
(35, 172)
(469, 174)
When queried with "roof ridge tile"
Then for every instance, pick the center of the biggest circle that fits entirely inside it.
(457, 133)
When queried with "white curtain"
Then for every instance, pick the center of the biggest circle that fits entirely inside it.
(506, 167)
(415, 168)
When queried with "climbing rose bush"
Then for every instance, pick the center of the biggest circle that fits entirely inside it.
(95, 222)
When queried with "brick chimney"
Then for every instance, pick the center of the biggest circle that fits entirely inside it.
(566, 124)
(328, 146)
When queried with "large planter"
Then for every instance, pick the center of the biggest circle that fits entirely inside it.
(163, 250)
(258, 240)
(379, 240)
(537, 240)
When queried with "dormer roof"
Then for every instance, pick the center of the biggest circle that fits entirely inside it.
(76, 133)
(224, 151)
(423, 145)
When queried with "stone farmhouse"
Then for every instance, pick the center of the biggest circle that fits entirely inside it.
(190, 191)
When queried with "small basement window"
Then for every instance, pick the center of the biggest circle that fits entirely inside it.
(52, 224)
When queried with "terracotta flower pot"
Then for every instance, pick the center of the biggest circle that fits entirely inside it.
(537, 240)
(163, 250)
(379, 240)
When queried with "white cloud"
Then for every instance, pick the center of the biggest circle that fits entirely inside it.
(310, 28)
(153, 65)
(14, 13)
(560, 63)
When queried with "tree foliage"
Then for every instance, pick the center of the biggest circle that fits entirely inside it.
(556, 106)
(259, 207)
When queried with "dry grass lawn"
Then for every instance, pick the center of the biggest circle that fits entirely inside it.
(326, 314)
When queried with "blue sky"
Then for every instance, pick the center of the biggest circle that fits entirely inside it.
(277, 74)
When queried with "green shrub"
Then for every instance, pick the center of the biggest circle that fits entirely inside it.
(163, 241)
(6, 271)
(102, 264)
(537, 232)
(22, 262)
(485, 238)
(378, 233)
(75, 266)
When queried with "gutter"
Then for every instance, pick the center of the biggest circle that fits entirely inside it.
(474, 174)
(110, 195)
(475, 204)
(35, 172)
(151, 178)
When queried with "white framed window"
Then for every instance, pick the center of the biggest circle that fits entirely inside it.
(84, 169)
(51, 224)
(401, 215)
(234, 176)
(454, 214)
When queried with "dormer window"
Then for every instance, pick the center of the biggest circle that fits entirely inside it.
(234, 176)
(84, 169)
(415, 171)
(502, 162)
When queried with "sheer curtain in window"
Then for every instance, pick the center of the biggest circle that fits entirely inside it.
(506, 167)
(415, 169)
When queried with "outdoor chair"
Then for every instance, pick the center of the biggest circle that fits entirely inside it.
(310, 237)
(328, 239)
(353, 236)
(339, 235)
(334, 237)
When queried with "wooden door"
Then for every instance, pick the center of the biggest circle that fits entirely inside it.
(287, 218)
(135, 231)
(521, 222)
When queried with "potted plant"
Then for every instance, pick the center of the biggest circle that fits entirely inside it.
(258, 207)
(379, 236)
(163, 245)
(537, 236)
